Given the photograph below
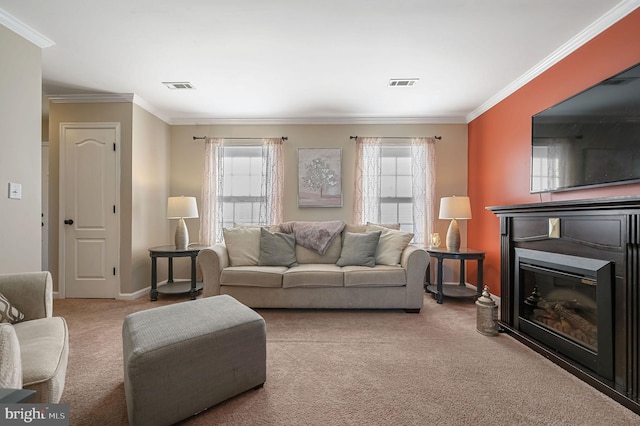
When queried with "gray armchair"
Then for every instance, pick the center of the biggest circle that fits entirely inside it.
(34, 350)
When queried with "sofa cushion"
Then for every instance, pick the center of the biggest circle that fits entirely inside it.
(359, 249)
(243, 245)
(392, 243)
(395, 226)
(313, 275)
(277, 249)
(354, 229)
(253, 276)
(378, 276)
(8, 312)
(10, 359)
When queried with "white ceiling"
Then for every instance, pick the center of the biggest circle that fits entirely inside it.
(295, 61)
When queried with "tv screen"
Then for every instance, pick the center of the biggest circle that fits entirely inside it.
(590, 139)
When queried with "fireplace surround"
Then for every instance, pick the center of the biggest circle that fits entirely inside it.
(570, 287)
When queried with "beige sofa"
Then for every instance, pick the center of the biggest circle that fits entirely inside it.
(33, 350)
(394, 281)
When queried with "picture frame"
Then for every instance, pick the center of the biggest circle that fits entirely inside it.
(320, 177)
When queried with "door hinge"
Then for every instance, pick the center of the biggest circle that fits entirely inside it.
(114, 270)
(114, 208)
(114, 146)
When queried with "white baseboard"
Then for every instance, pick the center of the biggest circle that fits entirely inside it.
(121, 296)
(135, 295)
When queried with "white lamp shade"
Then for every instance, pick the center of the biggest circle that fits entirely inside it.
(180, 207)
(455, 208)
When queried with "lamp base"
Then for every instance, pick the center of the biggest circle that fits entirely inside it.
(453, 236)
(182, 235)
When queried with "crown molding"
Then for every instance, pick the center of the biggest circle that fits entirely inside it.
(151, 109)
(189, 121)
(605, 21)
(91, 98)
(452, 119)
(109, 98)
(24, 30)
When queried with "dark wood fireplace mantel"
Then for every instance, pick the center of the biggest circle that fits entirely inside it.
(605, 229)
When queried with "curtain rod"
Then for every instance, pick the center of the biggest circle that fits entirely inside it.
(284, 138)
(397, 137)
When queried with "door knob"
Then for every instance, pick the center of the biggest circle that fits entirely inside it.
(68, 222)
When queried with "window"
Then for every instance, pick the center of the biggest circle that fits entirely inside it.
(241, 184)
(242, 195)
(396, 195)
(395, 183)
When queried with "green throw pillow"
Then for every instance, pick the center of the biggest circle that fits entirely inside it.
(277, 249)
(359, 249)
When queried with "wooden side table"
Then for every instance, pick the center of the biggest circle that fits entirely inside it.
(456, 290)
(171, 286)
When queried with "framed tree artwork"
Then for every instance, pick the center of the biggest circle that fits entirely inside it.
(319, 177)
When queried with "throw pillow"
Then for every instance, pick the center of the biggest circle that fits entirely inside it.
(243, 245)
(8, 312)
(277, 249)
(395, 226)
(11, 361)
(391, 245)
(359, 249)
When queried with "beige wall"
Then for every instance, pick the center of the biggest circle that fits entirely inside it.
(159, 160)
(20, 152)
(150, 189)
(451, 166)
(451, 152)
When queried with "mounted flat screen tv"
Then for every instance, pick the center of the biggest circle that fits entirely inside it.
(591, 139)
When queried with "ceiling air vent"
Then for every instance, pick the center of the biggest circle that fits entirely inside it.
(182, 85)
(403, 82)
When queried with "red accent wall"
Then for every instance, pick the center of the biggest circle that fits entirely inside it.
(500, 139)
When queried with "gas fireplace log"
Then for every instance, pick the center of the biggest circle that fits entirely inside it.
(543, 313)
(577, 321)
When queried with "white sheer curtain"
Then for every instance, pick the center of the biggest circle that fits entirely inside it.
(210, 208)
(423, 166)
(367, 187)
(272, 181)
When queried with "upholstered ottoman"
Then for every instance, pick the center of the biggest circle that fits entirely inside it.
(181, 359)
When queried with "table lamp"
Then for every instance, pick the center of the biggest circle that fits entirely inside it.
(181, 208)
(454, 208)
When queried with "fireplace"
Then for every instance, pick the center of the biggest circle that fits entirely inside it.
(570, 287)
(564, 302)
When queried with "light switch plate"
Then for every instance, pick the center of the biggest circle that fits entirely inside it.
(15, 191)
(554, 227)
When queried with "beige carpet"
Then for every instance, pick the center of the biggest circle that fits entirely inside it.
(352, 368)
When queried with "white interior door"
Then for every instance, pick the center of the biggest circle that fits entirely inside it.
(88, 209)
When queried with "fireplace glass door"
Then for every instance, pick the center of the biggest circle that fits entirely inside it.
(565, 302)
